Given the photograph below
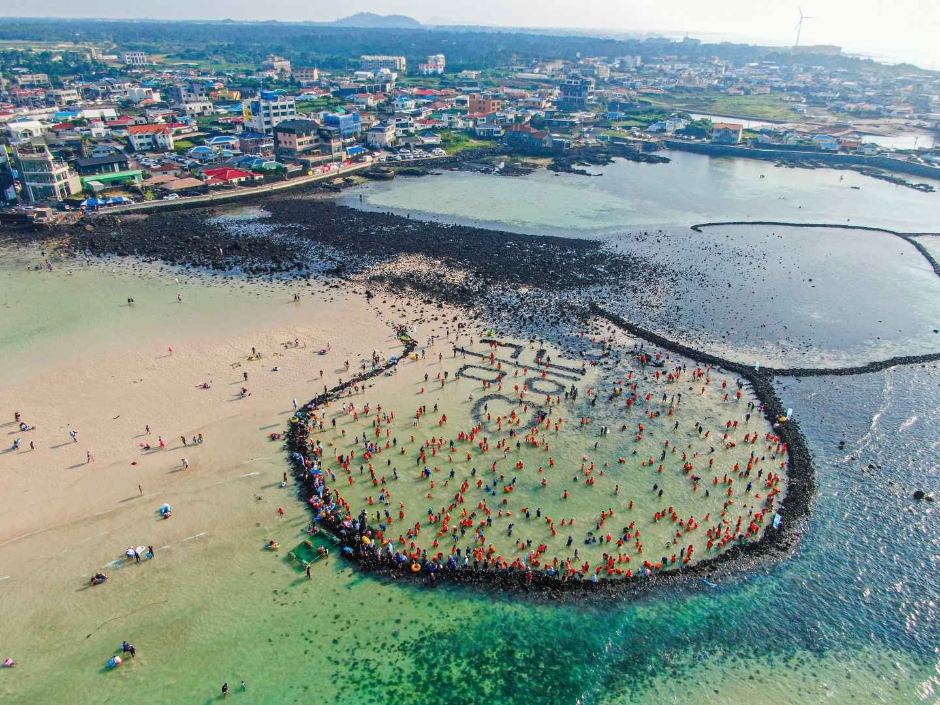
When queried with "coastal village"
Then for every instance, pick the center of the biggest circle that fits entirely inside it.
(148, 128)
(368, 360)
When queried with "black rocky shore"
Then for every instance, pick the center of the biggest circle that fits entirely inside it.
(355, 240)
(492, 259)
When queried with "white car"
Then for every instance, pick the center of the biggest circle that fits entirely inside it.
(171, 197)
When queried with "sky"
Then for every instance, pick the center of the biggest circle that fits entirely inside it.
(899, 29)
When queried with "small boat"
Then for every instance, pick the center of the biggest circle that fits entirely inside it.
(855, 187)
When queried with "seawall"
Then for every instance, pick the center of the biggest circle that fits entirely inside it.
(831, 158)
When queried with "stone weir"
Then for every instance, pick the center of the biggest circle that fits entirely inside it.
(775, 543)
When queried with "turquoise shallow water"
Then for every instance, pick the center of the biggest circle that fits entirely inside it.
(852, 617)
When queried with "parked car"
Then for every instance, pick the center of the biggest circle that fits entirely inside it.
(171, 197)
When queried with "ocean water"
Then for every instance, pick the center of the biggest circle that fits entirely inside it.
(852, 616)
(782, 296)
(692, 188)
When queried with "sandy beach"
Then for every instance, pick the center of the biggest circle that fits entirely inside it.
(214, 606)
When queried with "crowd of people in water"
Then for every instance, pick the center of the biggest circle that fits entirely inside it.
(470, 519)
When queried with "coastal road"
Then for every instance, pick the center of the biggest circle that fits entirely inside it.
(195, 201)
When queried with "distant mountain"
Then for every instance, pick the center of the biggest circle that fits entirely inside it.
(370, 19)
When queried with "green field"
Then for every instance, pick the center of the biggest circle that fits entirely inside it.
(767, 107)
(456, 142)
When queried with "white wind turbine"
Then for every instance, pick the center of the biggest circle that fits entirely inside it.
(799, 25)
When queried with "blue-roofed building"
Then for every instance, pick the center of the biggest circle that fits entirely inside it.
(223, 141)
(827, 143)
(349, 124)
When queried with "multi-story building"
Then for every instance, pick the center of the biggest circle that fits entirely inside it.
(306, 74)
(349, 124)
(434, 65)
(277, 64)
(577, 92)
(44, 177)
(139, 94)
(481, 103)
(382, 135)
(628, 63)
(32, 79)
(62, 96)
(187, 92)
(727, 133)
(392, 63)
(266, 112)
(145, 138)
(307, 140)
(195, 108)
(134, 58)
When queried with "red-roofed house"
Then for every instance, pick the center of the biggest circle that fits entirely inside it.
(727, 133)
(527, 137)
(122, 121)
(150, 137)
(227, 175)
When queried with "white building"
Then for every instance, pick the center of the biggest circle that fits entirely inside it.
(63, 96)
(392, 63)
(434, 66)
(21, 131)
(134, 58)
(146, 138)
(265, 113)
(44, 177)
(139, 94)
(276, 64)
(381, 135)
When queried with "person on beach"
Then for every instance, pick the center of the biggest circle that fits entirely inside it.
(74, 434)
(185, 464)
(150, 553)
(224, 689)
(88, 457)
